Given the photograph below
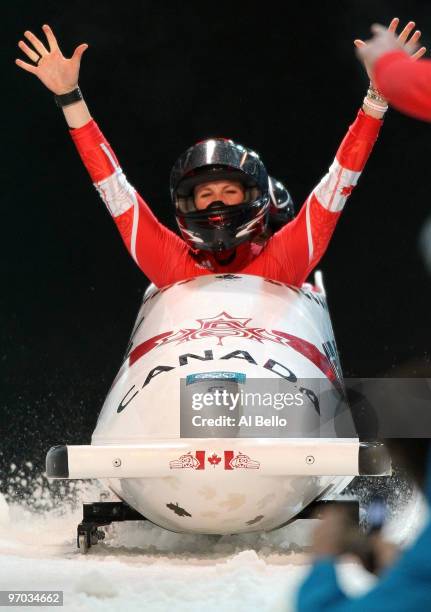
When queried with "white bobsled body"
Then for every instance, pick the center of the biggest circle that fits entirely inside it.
(229, 328)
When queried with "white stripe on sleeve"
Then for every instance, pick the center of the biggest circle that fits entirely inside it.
(117, 193)
(336, 186)
(108, 154)
(309, 231)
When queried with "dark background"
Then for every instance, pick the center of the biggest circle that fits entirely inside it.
(158, 76)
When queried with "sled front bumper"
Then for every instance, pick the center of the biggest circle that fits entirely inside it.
(273, 456)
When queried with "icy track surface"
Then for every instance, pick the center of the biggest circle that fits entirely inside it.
(142, 567)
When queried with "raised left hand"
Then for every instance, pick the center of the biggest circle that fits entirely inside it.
(385, 40)
(58, 73)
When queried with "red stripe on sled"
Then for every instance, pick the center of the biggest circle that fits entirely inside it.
(311, 352)
(146, 346)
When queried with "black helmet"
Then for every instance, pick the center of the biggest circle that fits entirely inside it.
(220, 227)
(281, 210)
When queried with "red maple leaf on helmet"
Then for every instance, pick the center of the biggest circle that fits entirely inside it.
(214, 459)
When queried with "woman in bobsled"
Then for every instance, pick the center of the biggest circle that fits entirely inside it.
(222, 197)
(221, 190)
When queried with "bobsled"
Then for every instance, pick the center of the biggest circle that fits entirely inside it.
(174, 455)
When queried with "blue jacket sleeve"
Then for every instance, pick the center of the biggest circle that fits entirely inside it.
(406, 587)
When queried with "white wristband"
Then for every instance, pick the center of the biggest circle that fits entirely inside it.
(377, 107)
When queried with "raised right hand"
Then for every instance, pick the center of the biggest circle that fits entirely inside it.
(56, 72)
(386, 40)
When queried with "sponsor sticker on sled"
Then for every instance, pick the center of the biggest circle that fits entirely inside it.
(233, 460)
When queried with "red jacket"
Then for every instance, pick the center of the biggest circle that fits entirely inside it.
(288, 256)
(405, 83)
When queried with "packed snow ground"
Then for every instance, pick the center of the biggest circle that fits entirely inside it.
(142, 567)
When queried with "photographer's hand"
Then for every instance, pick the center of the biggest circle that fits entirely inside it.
(336, 535)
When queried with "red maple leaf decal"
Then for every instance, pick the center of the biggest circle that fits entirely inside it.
(214, 459)
(346, 191)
